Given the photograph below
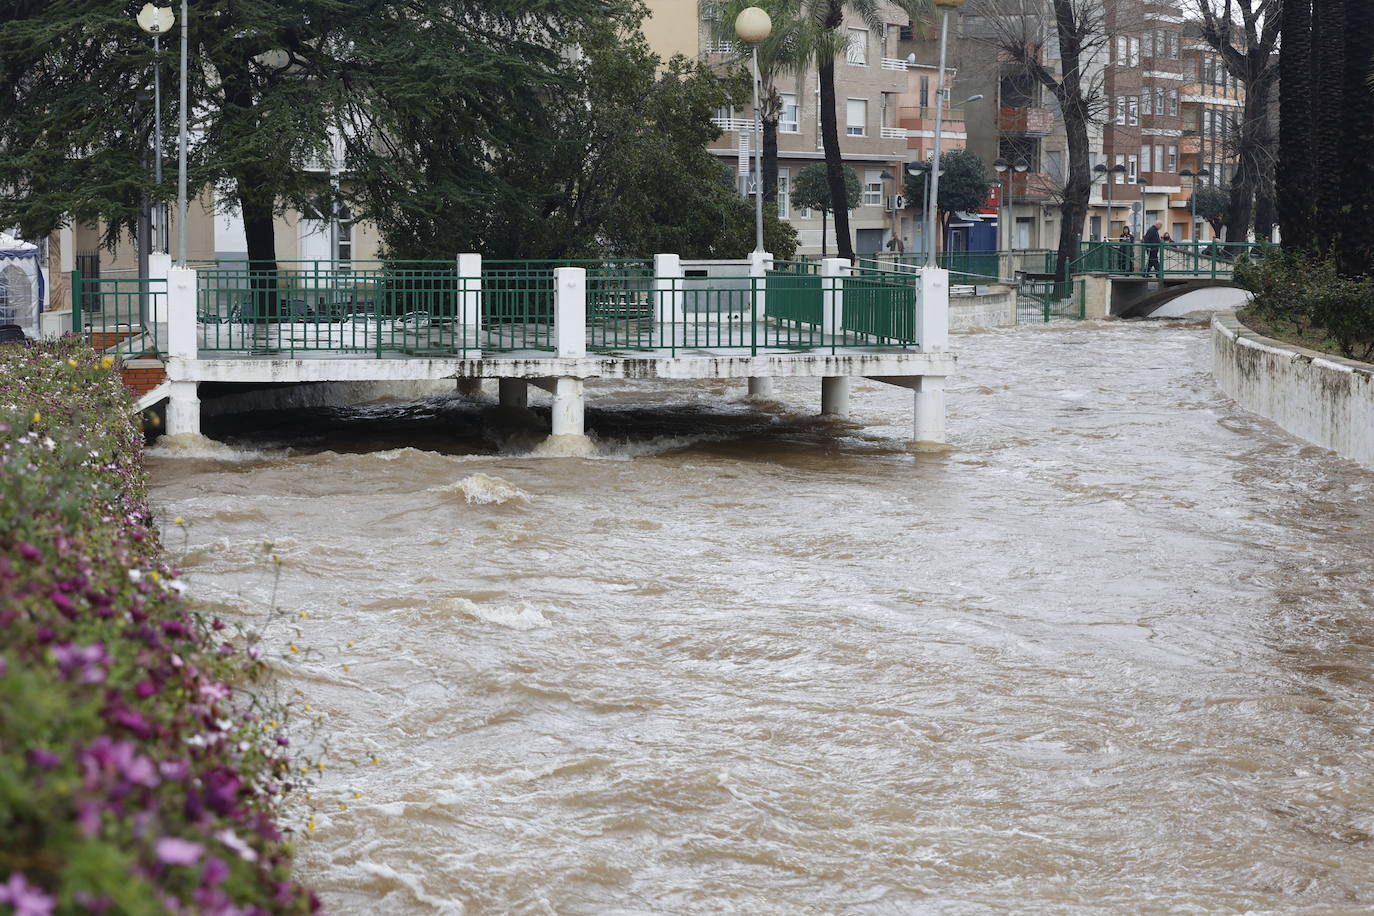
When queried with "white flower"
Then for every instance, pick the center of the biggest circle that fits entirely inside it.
(231, 840)
(135, 575)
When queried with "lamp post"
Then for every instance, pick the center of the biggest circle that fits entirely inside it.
(155, 21)
(752, 26)
(945, 6)
(916, 170)
(1192, 194)
(181, 152)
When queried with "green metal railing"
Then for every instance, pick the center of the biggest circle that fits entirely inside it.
(1047, 300)
(880, 310)
(118, 315)
(317, 309)
(1168, 259)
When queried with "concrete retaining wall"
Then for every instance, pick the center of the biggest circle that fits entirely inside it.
(996, 308)
(1326, 400)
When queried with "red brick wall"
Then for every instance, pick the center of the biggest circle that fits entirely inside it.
(143, 379)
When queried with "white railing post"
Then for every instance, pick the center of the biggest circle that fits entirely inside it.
(159, 265)
(833, 272)
(470, 299)
(570, 311)
(932, 310)
(760, 262)
(182, 332)
(668, 292)
(183, 406)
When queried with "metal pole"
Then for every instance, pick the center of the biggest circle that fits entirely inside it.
(935, 157)
(758, 159)
(181, 152)
(159, 220)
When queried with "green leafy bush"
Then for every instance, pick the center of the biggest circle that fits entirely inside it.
(136, 776)
(1294, 289)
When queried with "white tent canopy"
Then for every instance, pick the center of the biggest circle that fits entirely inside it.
(21, 284)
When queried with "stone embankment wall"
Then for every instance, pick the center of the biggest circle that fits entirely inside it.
(995, 308)
(1324, 399)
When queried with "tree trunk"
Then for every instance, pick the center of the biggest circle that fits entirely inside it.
(1356, 254)
(256, 204)
(1328, 104)
(1250, 159)
(824, 241)
(770, 160)
(834, 164)
(1293, 183)
(1073, 108)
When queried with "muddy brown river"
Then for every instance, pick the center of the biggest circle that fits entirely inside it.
(1110, 653)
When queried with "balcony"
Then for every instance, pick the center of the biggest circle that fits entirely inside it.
(893, 133)
(1031, 186)
(1037, 122)
(894, 63)
(736, 124)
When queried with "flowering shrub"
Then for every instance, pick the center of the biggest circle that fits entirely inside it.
(135, 774)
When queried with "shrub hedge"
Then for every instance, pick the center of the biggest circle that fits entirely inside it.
(1308, 297)
(137, 774)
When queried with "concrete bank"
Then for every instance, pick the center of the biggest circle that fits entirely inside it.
(1327, 400)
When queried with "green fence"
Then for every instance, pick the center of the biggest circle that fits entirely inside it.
(881, 310)
(358, 310)
(1051, 299)
(118, 315)
(1167, 259)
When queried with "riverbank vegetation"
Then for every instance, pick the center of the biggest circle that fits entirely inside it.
(1304, 300)
(137, 775)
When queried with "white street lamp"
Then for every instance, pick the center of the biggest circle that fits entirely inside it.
(155, 21)
(945, 7)
(752, 26)
(181, 152)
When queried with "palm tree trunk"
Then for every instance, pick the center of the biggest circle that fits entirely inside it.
(1356, 256)
(770, 160)
(1328, 103)
(834, 164)
(1293, 177)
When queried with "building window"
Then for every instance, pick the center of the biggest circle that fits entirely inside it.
(1159, 158)
(857, 54)
(1145, 157)
(1132, 168)
(1173, 46)
(1159, 100)
(1120, 176)
(1147, 102)
(1119, 115)
(873, 188)
(784, 193)
(1173, 158)
(925, 92)
(1135, 52)
(789, 121)
(344, 234)
(856, 117)
(1121, 49)
(1132, 111)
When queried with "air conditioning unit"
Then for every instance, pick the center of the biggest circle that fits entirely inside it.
(898, 202)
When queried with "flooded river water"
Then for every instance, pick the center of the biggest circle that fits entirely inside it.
(1112, 652)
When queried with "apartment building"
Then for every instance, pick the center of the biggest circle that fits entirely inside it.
(1211, 104)
(870, 82)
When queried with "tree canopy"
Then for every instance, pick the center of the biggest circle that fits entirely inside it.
(512, 127)
(964, 183)
(811, 188)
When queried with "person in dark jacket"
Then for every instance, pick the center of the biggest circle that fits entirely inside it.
(1125, 257)
(1153, 247)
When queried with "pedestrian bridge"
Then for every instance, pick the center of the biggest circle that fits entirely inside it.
(553, 325)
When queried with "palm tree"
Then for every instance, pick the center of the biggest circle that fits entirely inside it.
(782, 53)
(827, 42)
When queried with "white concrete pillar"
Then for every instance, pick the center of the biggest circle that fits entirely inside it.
(182, 333)
(569, 411)
(928, 411)
(760, 262)
(514, 393)
(668, 293)
(470, 300)
(761, 387)
(835, 396)
(932, 310)
(570, 311)
(159, 268)
(833, 272)
(183, 409)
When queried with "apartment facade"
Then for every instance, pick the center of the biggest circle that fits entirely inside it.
(871, 81)
(1212, 102)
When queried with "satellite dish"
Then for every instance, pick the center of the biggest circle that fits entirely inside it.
(155, 21)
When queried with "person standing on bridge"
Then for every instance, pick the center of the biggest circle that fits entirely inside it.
(1124, 256)
(1153, 245)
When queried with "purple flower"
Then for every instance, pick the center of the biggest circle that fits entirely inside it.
(87, 661)
(144, 689)
(214, 872)
(31, 553)
(26, 899)
(172, 850)
(212, 692)
(132, 720)
(88, 819)
(42, 758)
(4, 666)
(222, 789)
